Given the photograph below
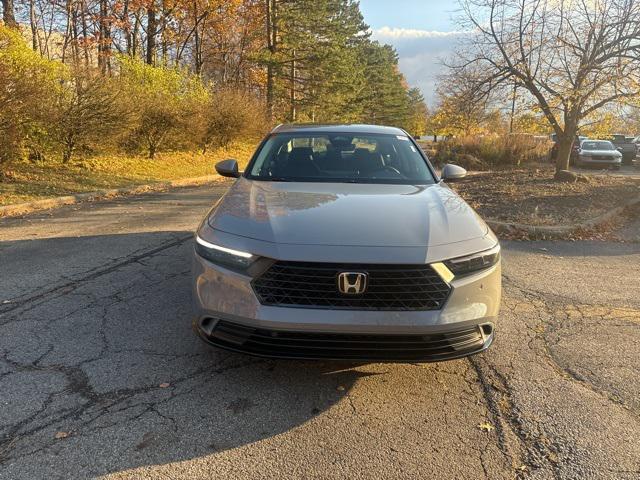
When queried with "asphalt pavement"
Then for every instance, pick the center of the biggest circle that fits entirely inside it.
(101, 375)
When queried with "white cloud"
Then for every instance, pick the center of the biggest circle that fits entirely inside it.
(409, 33)
(420, 54)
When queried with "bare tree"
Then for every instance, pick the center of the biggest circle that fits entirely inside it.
(575, 57)
(462, 102)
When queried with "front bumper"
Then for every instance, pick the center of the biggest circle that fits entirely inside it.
(229, 315)
(609, 162)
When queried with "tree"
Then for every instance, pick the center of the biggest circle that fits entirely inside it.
(418, 113)
(462, 105)
(573, 57)
(384, 97)
(8, 15)
(311, 58)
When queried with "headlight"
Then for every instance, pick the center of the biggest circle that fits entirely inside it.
(472, 263)
(224, 256)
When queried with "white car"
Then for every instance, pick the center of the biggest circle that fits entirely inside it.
(598, 153)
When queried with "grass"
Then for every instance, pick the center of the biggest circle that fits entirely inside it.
(24, 181)
(489, 152)
(531, 196)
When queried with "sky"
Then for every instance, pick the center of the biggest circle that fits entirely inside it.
(422, 31)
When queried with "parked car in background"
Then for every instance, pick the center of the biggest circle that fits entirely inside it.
(600, 153)
(627, 146)
(574, 148)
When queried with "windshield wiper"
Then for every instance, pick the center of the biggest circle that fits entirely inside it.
(277, 179)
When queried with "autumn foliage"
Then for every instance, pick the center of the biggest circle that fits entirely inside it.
(145, 76)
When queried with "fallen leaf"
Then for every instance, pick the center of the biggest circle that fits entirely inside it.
(340, 388)
(486, 427)
(164, 385)
(60, 435)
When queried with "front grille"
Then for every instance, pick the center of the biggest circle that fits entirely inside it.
(347, 346)
(601, 157)
(315, 285)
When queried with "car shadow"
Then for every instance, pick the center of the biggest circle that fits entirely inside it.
(102, 372)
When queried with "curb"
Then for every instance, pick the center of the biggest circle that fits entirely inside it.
(19, 209)
(560, 231)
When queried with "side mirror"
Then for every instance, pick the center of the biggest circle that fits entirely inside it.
(228, 168)
(619, 149)
(452, 172)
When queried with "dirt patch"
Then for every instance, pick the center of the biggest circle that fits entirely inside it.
(531, 196)
(629, 228)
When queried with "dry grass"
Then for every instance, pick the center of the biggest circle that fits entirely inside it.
(531, 196)
(25, 181)
(489, 152)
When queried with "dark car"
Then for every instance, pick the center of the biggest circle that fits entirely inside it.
(626, 146)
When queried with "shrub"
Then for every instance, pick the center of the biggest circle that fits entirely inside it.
(480, 152)
(28, 85)
(90, 113)
(230, 114)
(166, 102)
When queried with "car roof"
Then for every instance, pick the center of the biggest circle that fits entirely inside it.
(337, 128)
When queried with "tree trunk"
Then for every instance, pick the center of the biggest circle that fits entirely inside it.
(75, 45)
(152, 148)
(272, 35)
(127, 26)
(513, 106)
(34, 25)
(85, 33)
(67, 31)
(67, 152)
(135, 34)
(565, 143)
(293, 113)
(104, 43)
(197, 54)
(151, 33)
(8, 14)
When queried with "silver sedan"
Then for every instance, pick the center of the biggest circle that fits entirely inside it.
(341, 242)
(598, 153)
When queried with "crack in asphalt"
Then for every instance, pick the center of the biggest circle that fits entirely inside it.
(536, 451)
(554, 304)
(517, 436)
(78, 383)
(68, 287)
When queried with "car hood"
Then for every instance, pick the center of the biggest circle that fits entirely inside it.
(607, 153)
(346, 214)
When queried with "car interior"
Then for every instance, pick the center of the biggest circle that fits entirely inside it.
(341, 157)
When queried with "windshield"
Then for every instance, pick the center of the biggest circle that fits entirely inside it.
(597, 146)
(361, 158)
